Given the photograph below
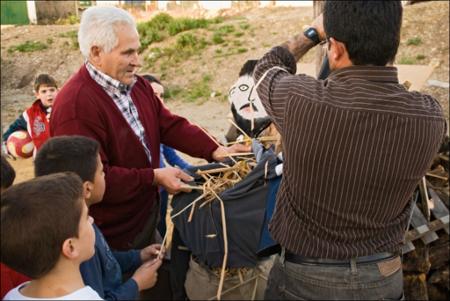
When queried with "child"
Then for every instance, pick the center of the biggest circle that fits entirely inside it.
(9, 278)
(103, 272)
(35, 120)
(166, 153)
(46, 234)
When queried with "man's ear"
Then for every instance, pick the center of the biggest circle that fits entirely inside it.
(69, 249)
(338, 55)
(87, 189)
(95, 54)
(336, 49)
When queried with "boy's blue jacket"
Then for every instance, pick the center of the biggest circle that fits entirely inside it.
(103, 272)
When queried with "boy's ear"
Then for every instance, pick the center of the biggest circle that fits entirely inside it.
(69, 249)
(87, 189)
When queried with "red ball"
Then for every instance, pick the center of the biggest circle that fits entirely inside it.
(20, 144)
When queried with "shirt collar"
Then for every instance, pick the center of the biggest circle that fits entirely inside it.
(370, 73)
(107, 82)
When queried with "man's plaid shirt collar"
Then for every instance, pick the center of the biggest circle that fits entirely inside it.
(107, 82)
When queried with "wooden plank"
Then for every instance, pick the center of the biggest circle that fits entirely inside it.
(439, 210)
(420, 224)
(408, 247)
(435, 225)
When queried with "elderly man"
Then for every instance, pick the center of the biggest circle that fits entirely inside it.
(107, 101)
(355, 146)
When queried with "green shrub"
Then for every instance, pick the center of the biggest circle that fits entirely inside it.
(28, 46)
(414, 41)
(73, 36)
(244, 26)
(420, 57)
(198, 91)
(217, 38)
(238, 34)
(242, 50)
(164, 25)
(69, 34)
(225, 29)
(406, 61)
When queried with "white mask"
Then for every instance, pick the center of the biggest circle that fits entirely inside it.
(241, 95)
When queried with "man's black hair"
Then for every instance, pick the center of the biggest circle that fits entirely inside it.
(369, 29)
(77, 154)
(8, 173)
(151, 79)
(248, 67)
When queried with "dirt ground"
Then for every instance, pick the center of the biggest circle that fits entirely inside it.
(427, 22)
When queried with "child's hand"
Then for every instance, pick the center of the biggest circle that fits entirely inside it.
(150, 252)
(147, 274)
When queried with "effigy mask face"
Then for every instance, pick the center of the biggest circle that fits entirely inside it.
(243, 98)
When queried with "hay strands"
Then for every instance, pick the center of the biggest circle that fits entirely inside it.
(260, 139)
(191, 187)
(216, 170)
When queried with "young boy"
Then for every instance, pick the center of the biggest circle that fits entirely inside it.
(35, 120)
(104, 271)
(46, 234)
(9, 278)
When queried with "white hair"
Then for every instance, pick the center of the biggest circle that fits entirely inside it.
(97, 28)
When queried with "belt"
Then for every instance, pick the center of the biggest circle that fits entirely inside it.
(294, 258)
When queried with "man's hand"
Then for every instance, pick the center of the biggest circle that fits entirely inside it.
(147, 274)
(150, 252)
(171, 179)
(220, 154)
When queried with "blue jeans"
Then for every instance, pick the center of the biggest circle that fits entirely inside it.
(381, 280)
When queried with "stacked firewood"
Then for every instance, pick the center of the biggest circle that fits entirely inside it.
(426, 268)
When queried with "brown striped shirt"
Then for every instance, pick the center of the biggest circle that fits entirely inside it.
(355, 146)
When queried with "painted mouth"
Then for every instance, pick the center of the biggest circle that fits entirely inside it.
(246, 108)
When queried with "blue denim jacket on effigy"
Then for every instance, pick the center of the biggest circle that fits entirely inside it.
(103, 272)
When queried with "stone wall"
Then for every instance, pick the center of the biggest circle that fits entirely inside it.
(49, 11)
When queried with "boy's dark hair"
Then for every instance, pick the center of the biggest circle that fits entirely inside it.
(8, 173)
(37, 216)
(248, 67)
(44, 79)
(369, 29)
(68, 153)
(151, 79)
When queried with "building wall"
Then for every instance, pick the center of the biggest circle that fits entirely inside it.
(49, 11)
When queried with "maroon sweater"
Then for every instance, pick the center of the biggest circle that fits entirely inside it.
(82, 107)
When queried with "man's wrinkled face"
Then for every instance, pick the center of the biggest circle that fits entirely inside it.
(241, 95)
(123, 61)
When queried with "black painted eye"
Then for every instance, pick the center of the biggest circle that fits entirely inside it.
(232, 91)
(243, 87)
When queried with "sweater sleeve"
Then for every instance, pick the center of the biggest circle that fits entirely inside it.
(179, 133)
(116, 192)
(18, 124)
(275, 70)
(173, 159)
